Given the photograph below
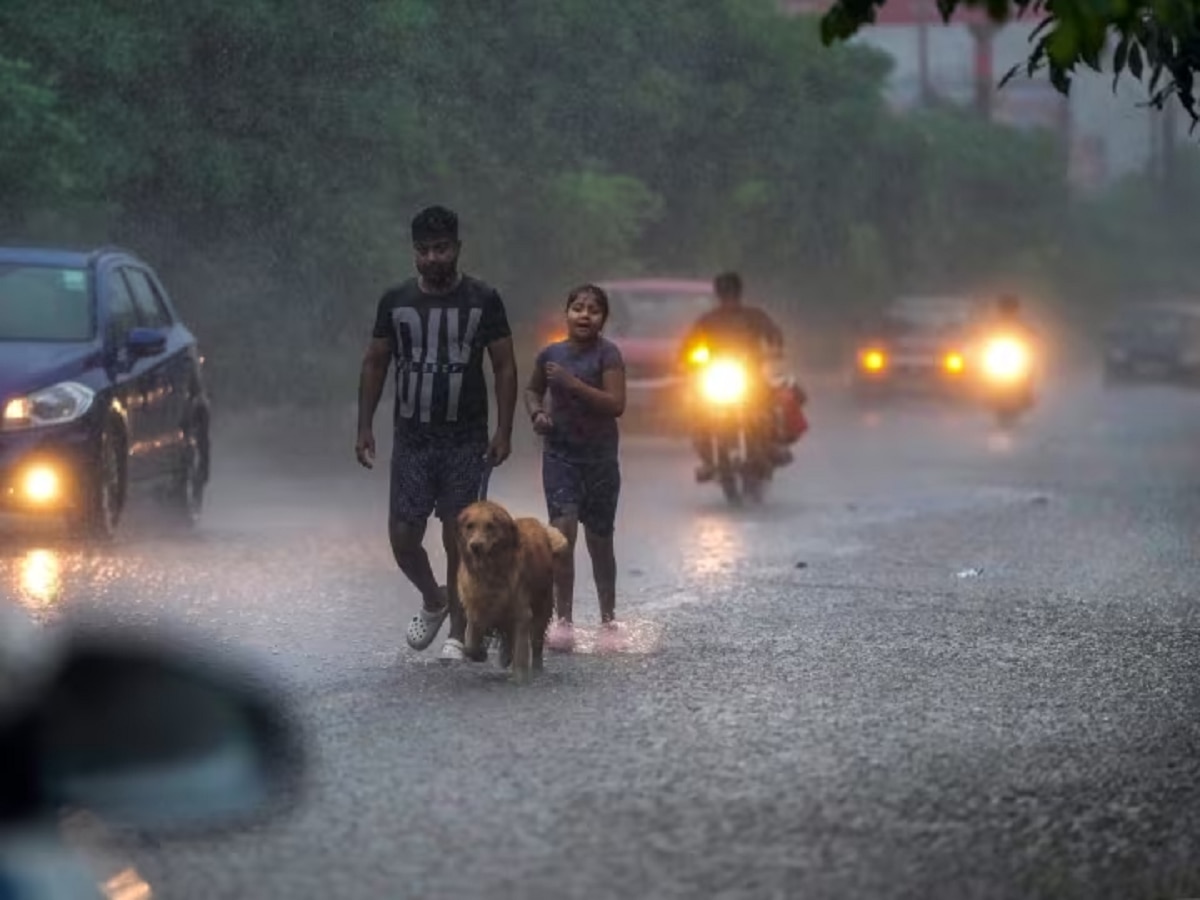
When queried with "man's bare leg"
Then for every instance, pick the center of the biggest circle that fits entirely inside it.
(409, 551)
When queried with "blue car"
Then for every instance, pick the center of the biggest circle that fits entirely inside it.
(101, 390)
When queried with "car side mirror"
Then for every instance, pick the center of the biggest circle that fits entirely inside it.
(144, 342)
(148, 735)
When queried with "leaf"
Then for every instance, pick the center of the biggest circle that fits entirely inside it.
(1060, 78)
(1119, 58)
(1156, 77)
(1135, 61)
(1009, 76)
(1040, 27)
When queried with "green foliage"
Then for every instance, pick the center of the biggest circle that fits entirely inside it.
(38, 144)
(599, 218)
(1159, 39)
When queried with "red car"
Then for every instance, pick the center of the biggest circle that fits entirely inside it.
(648, 320)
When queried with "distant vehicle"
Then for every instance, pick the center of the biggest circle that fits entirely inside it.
(648, 320)
(918, 345)
(1155, 342)
(101, 389)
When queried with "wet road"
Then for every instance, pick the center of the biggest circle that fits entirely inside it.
(940, 662)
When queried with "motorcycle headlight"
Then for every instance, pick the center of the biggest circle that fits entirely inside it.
(55, 405)
(724, 382)
(1005, 359)
(698, 355)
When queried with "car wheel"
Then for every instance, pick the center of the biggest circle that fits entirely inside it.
(105, 500)
(186, 497)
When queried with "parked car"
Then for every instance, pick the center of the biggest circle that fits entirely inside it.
(648, 320)
(1153, 342)
(101, 389)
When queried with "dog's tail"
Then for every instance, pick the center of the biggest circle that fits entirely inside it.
(558, 541)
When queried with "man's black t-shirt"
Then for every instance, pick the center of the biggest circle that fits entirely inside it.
(438, 341)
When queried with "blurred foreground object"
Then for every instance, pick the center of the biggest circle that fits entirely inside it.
(144, 734)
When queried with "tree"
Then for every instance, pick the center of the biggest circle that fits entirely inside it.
(267, 155)
(39, 144)
(1155, 38)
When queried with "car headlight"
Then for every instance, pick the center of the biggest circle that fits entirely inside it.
(873, 360)
(724, 382)
(1005, 359)
(55, 405)
(40, 484)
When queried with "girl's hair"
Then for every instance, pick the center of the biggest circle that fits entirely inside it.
(596, 293)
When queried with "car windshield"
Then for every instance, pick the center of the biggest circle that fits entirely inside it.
(44, 303)
(658, 314)
(927, 316)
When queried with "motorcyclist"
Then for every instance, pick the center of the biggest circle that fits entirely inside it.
(747, 331)
(1007, 317)
(1007, 314)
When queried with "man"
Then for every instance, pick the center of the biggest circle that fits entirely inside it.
(1007, 314)
(734, 327)
(436, 327)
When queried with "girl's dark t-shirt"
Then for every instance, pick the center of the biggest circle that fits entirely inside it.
(580, 432)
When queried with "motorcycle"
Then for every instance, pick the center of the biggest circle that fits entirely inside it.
(741, 416)
(145, 736)
(1008, 373)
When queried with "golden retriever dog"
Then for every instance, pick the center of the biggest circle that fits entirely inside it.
(506, 581)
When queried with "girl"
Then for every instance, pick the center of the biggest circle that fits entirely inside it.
(584, 378)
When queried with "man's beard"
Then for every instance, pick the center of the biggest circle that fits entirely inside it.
(438, 274)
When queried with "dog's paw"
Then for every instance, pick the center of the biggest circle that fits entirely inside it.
(478, 655)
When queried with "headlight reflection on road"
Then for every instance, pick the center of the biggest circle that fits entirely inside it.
(40, 578)
(1000, 443)
(715, 546)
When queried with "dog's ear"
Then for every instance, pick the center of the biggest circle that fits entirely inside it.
(507, 525)
(463, 522)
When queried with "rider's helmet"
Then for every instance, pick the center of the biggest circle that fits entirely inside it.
(728, 287)
(1008, 305)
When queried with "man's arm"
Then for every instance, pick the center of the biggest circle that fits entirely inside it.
(375, 364)
(768, 329)
(370, 381)
(496, 334)
(504, 372)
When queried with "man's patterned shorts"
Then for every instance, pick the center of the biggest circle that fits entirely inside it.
(435, 473)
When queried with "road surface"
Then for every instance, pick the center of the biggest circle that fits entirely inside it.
(941, 662)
